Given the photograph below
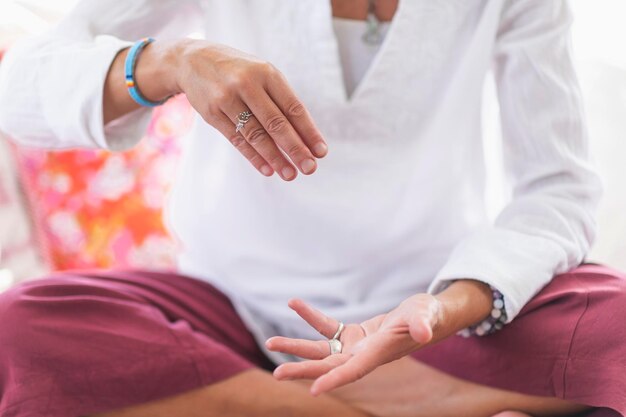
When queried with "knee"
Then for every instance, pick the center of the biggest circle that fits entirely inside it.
(27, 316)
(604, 293)
(15, 319)
(585, 285)
(607, 303)
(573, 301)
(597, 284)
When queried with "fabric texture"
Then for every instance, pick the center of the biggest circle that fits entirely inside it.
(96, 209)
(89, 208)
(399, 200)
(567, 342)
(81, 342)
(77, 343)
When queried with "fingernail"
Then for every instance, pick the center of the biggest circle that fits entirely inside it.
(320, 149)
(288, 173)
(308, 166)
(267, 170)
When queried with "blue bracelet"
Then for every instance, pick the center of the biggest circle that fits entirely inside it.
(129, 72)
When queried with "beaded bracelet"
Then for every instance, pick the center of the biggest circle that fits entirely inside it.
(129, 72)
(491, 324)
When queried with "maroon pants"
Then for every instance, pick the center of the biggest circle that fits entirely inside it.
(83, 342)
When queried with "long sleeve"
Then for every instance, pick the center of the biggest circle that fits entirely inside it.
(51, 86)
(548, 226)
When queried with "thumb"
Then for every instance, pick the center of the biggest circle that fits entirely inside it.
(420, 330)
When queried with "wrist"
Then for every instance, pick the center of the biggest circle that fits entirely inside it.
(464, 303)
(156, 70)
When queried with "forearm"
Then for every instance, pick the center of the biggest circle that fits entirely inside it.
(155, 75)
(221, 83)
(464, 303)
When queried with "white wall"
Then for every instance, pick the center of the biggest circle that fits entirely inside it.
(599, 42)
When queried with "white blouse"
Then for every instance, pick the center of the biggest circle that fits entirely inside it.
(355, 55)
(397, 207)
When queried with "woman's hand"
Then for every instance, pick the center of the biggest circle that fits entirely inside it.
(418, 321)
(221, 82)
(366, 346)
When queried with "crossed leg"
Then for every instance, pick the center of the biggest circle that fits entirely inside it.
(409, 388)
(249, 393)
(402, 388)
(40, 324)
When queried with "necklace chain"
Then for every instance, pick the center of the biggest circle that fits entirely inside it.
(372, 35)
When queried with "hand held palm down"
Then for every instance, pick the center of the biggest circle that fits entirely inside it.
(221, 83)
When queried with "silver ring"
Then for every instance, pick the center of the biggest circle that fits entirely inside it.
(335, 346)
(242, 119)
(339, 330)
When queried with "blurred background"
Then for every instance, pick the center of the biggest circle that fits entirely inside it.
(78, 209)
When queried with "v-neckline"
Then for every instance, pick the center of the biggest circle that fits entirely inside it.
(347, 98)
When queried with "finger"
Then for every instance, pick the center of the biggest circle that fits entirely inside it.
(352, 370)
(299, 117)
(256, 135)
(420, 330)
(325, 325)
(225, 126)
(309, 369)
(308, 349)
(280, 129)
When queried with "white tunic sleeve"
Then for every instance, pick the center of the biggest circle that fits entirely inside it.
(548, 226)
(51, 86)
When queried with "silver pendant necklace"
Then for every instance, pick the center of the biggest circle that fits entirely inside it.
(372, 35)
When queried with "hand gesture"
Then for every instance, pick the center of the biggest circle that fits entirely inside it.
(365, 346)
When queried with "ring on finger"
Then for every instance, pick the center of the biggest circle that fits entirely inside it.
(242, 119)
(335, 346)
(339, 330)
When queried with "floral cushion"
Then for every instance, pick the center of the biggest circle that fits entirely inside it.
(101, 209)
